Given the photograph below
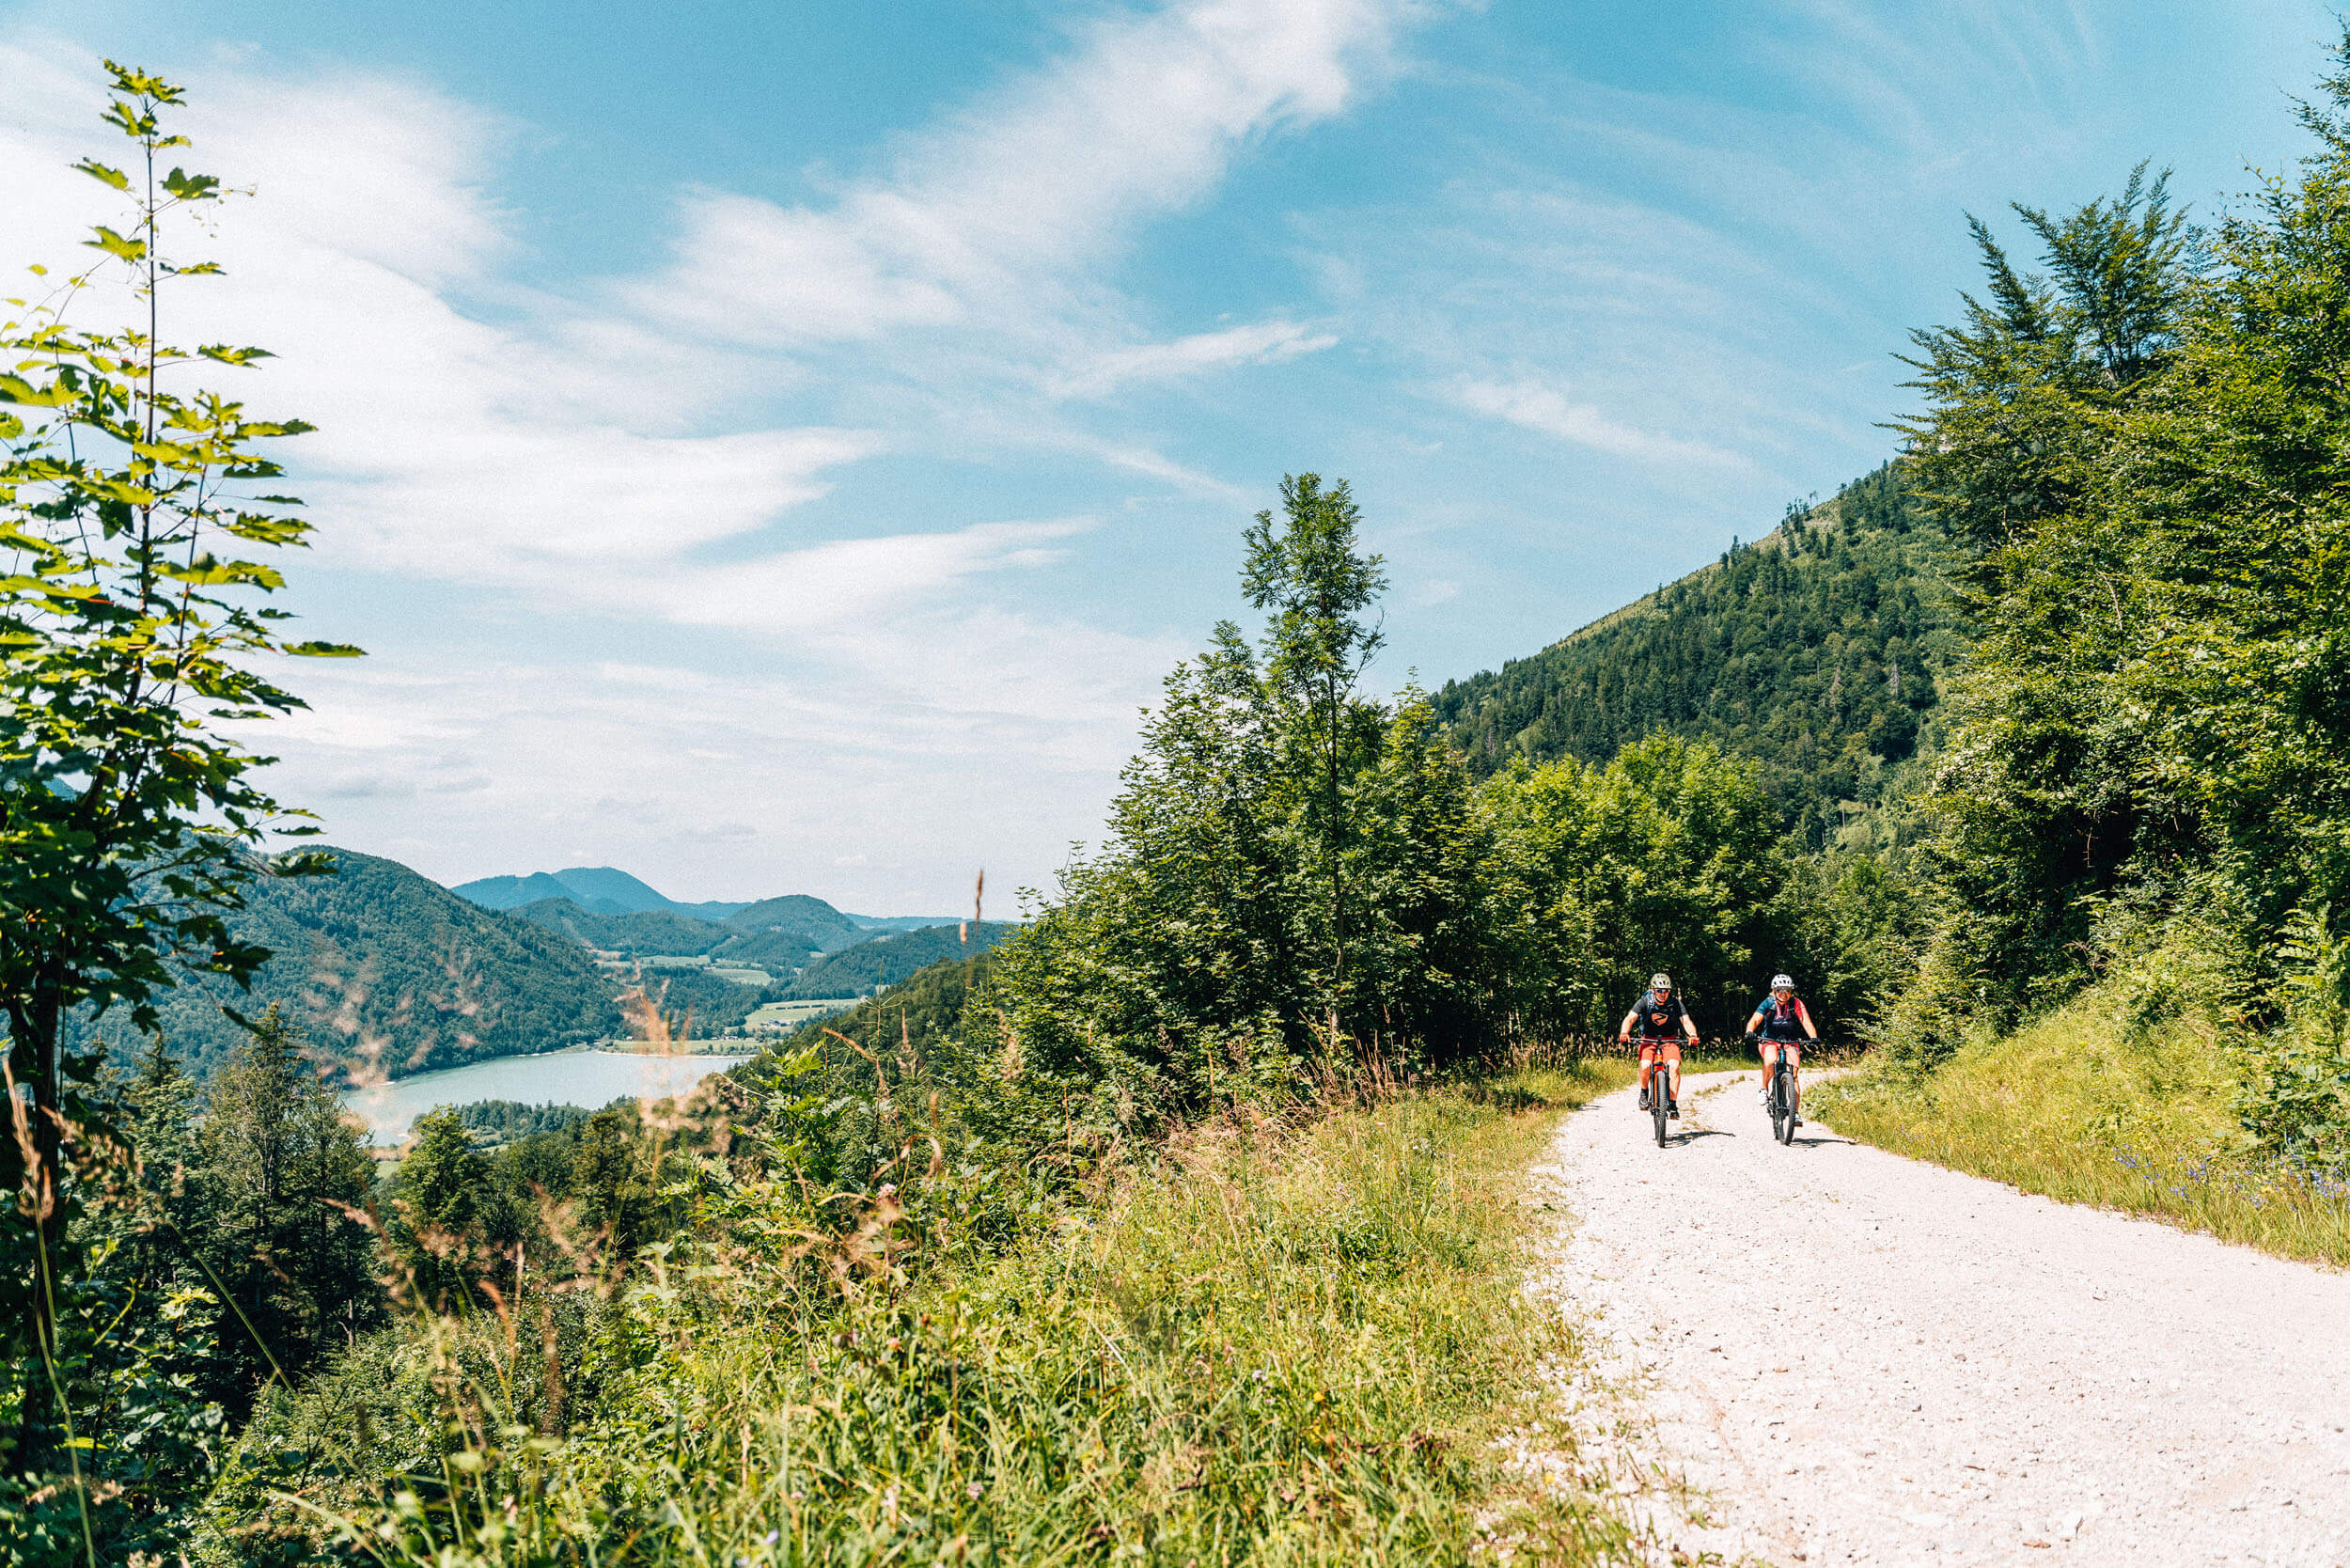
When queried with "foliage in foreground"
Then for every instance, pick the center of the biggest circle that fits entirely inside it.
(1261, 1343)
(141, 540)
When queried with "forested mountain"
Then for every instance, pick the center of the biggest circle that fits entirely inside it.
(780, 934)
(386, 972)
(1815, 651)
(890, 960)
(628, 935)
(795, 922)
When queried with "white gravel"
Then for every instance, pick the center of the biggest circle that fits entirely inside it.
(1830, 1354)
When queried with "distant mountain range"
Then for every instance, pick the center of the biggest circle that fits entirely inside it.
(598, 889)
(607, 890)
(388, 972)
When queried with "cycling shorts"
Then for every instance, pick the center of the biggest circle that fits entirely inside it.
(1793, 1048)
(1659, 1050)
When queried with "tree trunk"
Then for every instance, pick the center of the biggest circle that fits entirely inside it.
(44, 1185)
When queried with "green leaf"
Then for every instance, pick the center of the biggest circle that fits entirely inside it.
(263, 528)
(116, 244)
(142, 84)
(16, 390)
(99, 172)
(227, 356)
(325, 650)
(192, 187)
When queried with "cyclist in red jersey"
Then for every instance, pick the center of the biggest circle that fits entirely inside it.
(1662, 1023)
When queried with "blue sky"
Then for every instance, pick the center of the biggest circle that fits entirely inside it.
(778, 448)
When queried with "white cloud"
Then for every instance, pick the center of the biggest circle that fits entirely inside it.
(1535, 405)
(1259, 343)
(987, 216)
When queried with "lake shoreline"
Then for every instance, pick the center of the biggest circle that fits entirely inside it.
(589, 1077)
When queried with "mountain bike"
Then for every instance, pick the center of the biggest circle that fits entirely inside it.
(1659, 1092)
(1783, 1099)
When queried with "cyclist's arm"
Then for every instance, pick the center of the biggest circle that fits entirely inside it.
(1754, 1024)
(1623, 1030)
(1690, 1024)
(1804, 1013)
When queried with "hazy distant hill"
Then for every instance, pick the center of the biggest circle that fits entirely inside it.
(599, 889)
(774, 934)
(889, 960)
(390, 973)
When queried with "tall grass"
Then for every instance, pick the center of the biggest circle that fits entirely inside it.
(1266, 1341)
(2084, 1108)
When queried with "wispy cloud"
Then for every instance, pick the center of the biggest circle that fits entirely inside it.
(991, 216)
(1535, 405)
(1259, 343)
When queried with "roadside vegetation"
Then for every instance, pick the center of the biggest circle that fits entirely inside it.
(1260, 1338)
(2079, 1107)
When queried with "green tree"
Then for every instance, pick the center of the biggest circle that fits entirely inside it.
(1292, 870)
(128, 646)
(1311, 575)
(2043, 800)
(439, 1200)
(285, 1175)
(1669, 858)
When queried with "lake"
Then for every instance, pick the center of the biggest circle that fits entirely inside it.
(589, 1079)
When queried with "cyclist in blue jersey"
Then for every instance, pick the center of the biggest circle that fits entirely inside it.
(1781, 1023)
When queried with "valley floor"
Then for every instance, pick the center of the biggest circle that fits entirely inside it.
(1827, 1353)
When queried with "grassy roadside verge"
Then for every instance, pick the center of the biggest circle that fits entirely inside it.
(1265, 1344)
(2081, 1109)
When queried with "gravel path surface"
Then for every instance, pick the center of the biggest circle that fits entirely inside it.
(1830, 1354)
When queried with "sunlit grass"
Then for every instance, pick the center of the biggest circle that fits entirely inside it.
(2078, 1108)
(1269, 1342)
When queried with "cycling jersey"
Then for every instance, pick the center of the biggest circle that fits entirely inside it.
(1782, 1021)
(1660, 1017)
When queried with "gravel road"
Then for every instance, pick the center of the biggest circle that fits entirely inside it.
(1827, 1354)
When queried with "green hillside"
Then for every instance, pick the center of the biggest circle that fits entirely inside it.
(631, 934)
(388, 972)
(890, 960)
(778, 934)
(1817, 652)
(923, 1011)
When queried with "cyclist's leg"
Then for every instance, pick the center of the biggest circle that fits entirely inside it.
(1794, 1079)
(1647, 1063)
(1671, 1050)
